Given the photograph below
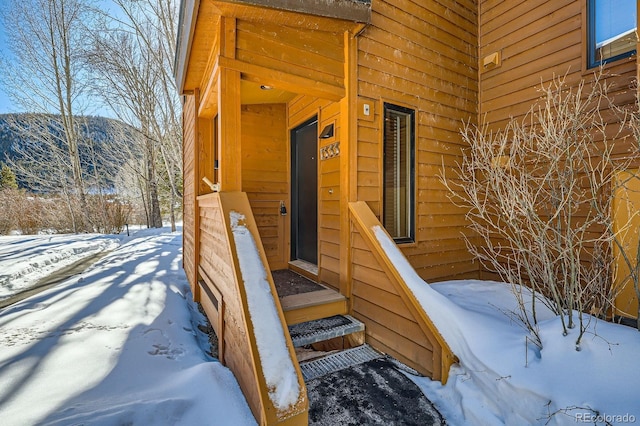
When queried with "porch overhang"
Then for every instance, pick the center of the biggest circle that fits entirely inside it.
(348, 10)
(199, 21)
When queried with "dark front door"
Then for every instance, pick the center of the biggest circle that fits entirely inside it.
(304, 192)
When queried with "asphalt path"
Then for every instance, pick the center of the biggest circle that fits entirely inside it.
(55, 278)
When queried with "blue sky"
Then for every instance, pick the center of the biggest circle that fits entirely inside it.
(6, 105)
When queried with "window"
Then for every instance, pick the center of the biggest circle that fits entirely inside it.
(398, 170)
(612, 30)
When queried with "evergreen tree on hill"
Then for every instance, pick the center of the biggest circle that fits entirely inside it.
(7, 178)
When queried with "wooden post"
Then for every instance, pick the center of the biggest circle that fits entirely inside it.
(229, 111)
(229, 134)
(196, 206)
(348, 164)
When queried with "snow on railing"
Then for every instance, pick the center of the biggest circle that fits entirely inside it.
(278, 368)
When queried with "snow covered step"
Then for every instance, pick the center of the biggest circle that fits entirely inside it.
(310, 332)
(338, 361)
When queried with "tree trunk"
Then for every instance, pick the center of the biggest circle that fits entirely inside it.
(155, 215)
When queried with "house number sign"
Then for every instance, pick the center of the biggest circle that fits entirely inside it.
(330, 151)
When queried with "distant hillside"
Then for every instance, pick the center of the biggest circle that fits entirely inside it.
(97, 129)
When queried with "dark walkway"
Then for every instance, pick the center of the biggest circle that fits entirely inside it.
(372, 393)
(289, 283)
(54, 278)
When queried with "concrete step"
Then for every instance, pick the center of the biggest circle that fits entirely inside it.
(338, 361)
(323, 329)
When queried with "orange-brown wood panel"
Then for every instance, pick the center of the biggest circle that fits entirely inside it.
(229, 130)
(392, 302)
(223, 280)
(265, 176)
(392, 321)
(422, 56)
(388, 306)
(189, 193)
(392, 330)
(538, 40)
(329, 199)
(330, 279)
(302, 108)
(295, 51)
(216, 261)
(206, 154)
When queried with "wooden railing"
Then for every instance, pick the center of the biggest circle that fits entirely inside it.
(395, 321)
(228, 298)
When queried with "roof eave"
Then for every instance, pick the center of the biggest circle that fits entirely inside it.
(186, 28)
(348, 10)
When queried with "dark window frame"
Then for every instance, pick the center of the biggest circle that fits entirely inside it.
(592, 61)
(410, 205)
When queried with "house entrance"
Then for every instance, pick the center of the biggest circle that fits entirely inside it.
(304, 192)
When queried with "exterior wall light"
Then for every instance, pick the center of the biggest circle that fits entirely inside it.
(327, 132)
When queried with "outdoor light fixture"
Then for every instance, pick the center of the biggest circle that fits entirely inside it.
(327, 132)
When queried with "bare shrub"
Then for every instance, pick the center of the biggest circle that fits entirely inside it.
(28, 212)
(539, 195)
(31, 214)
(108, 214)
(7, 208)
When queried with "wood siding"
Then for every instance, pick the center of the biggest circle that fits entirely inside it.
(313, 55)
(395, 321)
(189, 228)
(216, 259)
(265, 176)
(222, 276)
(389, 325)
(538, 40)
(329, 200)
(422, 56)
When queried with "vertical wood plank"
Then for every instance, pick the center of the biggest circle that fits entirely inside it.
(229, 130)
(348, 143)
(205, 155)
(196, 219)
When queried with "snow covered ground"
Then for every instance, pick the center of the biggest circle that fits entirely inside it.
(503, 378)
(26, 259)
(120, 345)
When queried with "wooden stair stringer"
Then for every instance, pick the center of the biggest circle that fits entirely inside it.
(364, 220)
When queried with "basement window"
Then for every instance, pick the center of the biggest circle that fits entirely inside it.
(399, 173)
(611, 32)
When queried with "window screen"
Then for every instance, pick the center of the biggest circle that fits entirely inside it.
(398, 192)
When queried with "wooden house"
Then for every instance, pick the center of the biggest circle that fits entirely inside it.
(313, 121)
